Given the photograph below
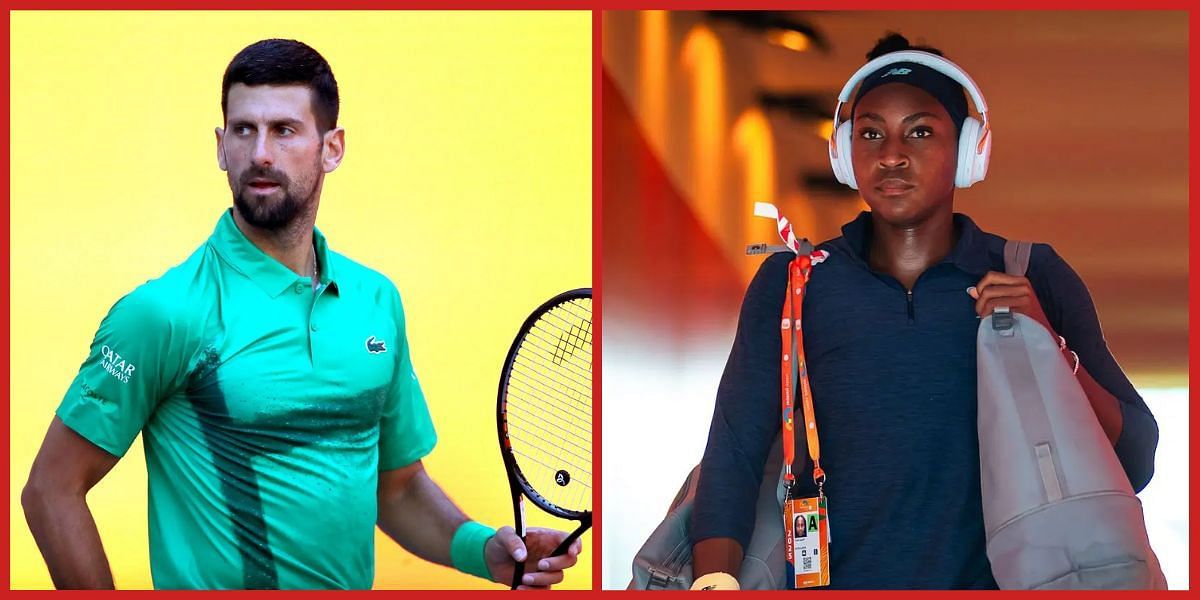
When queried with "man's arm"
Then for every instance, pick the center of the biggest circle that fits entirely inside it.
(417, 514)
(55, 503)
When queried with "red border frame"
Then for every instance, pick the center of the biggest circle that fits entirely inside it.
(1193, 288)
(598, 300)
(6, 275)
(597, 176)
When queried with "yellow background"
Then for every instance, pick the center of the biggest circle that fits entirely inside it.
(467, 180)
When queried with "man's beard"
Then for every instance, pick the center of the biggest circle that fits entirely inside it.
(265, 213)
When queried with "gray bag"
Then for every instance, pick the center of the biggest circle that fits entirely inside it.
(665, 561)
(1058, 508)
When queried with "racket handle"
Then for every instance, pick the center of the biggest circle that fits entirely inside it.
(562, 548)
(519, 514)
(518, 571)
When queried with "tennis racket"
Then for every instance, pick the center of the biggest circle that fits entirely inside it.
(544, 414)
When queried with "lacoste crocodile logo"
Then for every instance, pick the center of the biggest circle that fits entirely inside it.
(375, 346)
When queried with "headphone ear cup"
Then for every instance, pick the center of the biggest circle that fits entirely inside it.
(972, 166)
(843, 166)
(982, 160)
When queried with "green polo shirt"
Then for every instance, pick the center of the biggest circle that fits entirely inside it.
(268, 411)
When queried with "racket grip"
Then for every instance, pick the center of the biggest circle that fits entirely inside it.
(519, 570)
(518, 573)
(519, 517)
(562, 548)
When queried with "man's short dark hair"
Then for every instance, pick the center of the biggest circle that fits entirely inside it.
(285, 62)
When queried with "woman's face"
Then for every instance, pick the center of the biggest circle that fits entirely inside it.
(904, 148)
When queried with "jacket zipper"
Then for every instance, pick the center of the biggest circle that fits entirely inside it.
(911, 314)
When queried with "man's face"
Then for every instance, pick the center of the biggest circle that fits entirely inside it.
(905, 151)
(272, 151)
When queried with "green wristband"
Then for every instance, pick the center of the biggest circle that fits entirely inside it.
(466, 548)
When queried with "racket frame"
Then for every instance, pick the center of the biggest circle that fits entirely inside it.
(519, 486)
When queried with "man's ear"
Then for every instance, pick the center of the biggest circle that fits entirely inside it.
(221, 149)
(333, 148)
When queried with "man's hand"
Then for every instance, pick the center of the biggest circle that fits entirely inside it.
(1000, 289)
(415, 512)
(541, 570)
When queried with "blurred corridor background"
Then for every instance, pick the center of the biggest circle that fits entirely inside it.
(705, 113)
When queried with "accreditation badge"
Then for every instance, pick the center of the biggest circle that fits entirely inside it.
(806, 542)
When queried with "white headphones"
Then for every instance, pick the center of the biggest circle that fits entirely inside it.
(974, 142)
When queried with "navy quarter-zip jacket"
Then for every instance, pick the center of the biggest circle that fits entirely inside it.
(893, 378)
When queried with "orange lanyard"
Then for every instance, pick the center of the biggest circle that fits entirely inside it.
(793, 364)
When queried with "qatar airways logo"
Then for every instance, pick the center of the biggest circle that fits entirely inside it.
(116, 365)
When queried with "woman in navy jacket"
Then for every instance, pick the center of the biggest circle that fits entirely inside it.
(890, 320)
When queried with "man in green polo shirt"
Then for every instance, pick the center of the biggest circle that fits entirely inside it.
(273, 384)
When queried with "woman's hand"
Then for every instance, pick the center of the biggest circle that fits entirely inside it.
(1001, 289)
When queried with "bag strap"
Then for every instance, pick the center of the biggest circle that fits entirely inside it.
(1016, 257)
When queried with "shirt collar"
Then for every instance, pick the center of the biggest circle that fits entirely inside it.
(970, 253)
(269, 274)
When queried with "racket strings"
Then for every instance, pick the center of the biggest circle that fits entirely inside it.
(548, 406)
(538, 414)
(554, 348)
(569, 399)
(578, 334)
(546, 424)
(548, 420)
(531, 385)
(531, 426)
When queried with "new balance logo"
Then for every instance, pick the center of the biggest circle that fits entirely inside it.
(375, 346)
(897, 71)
